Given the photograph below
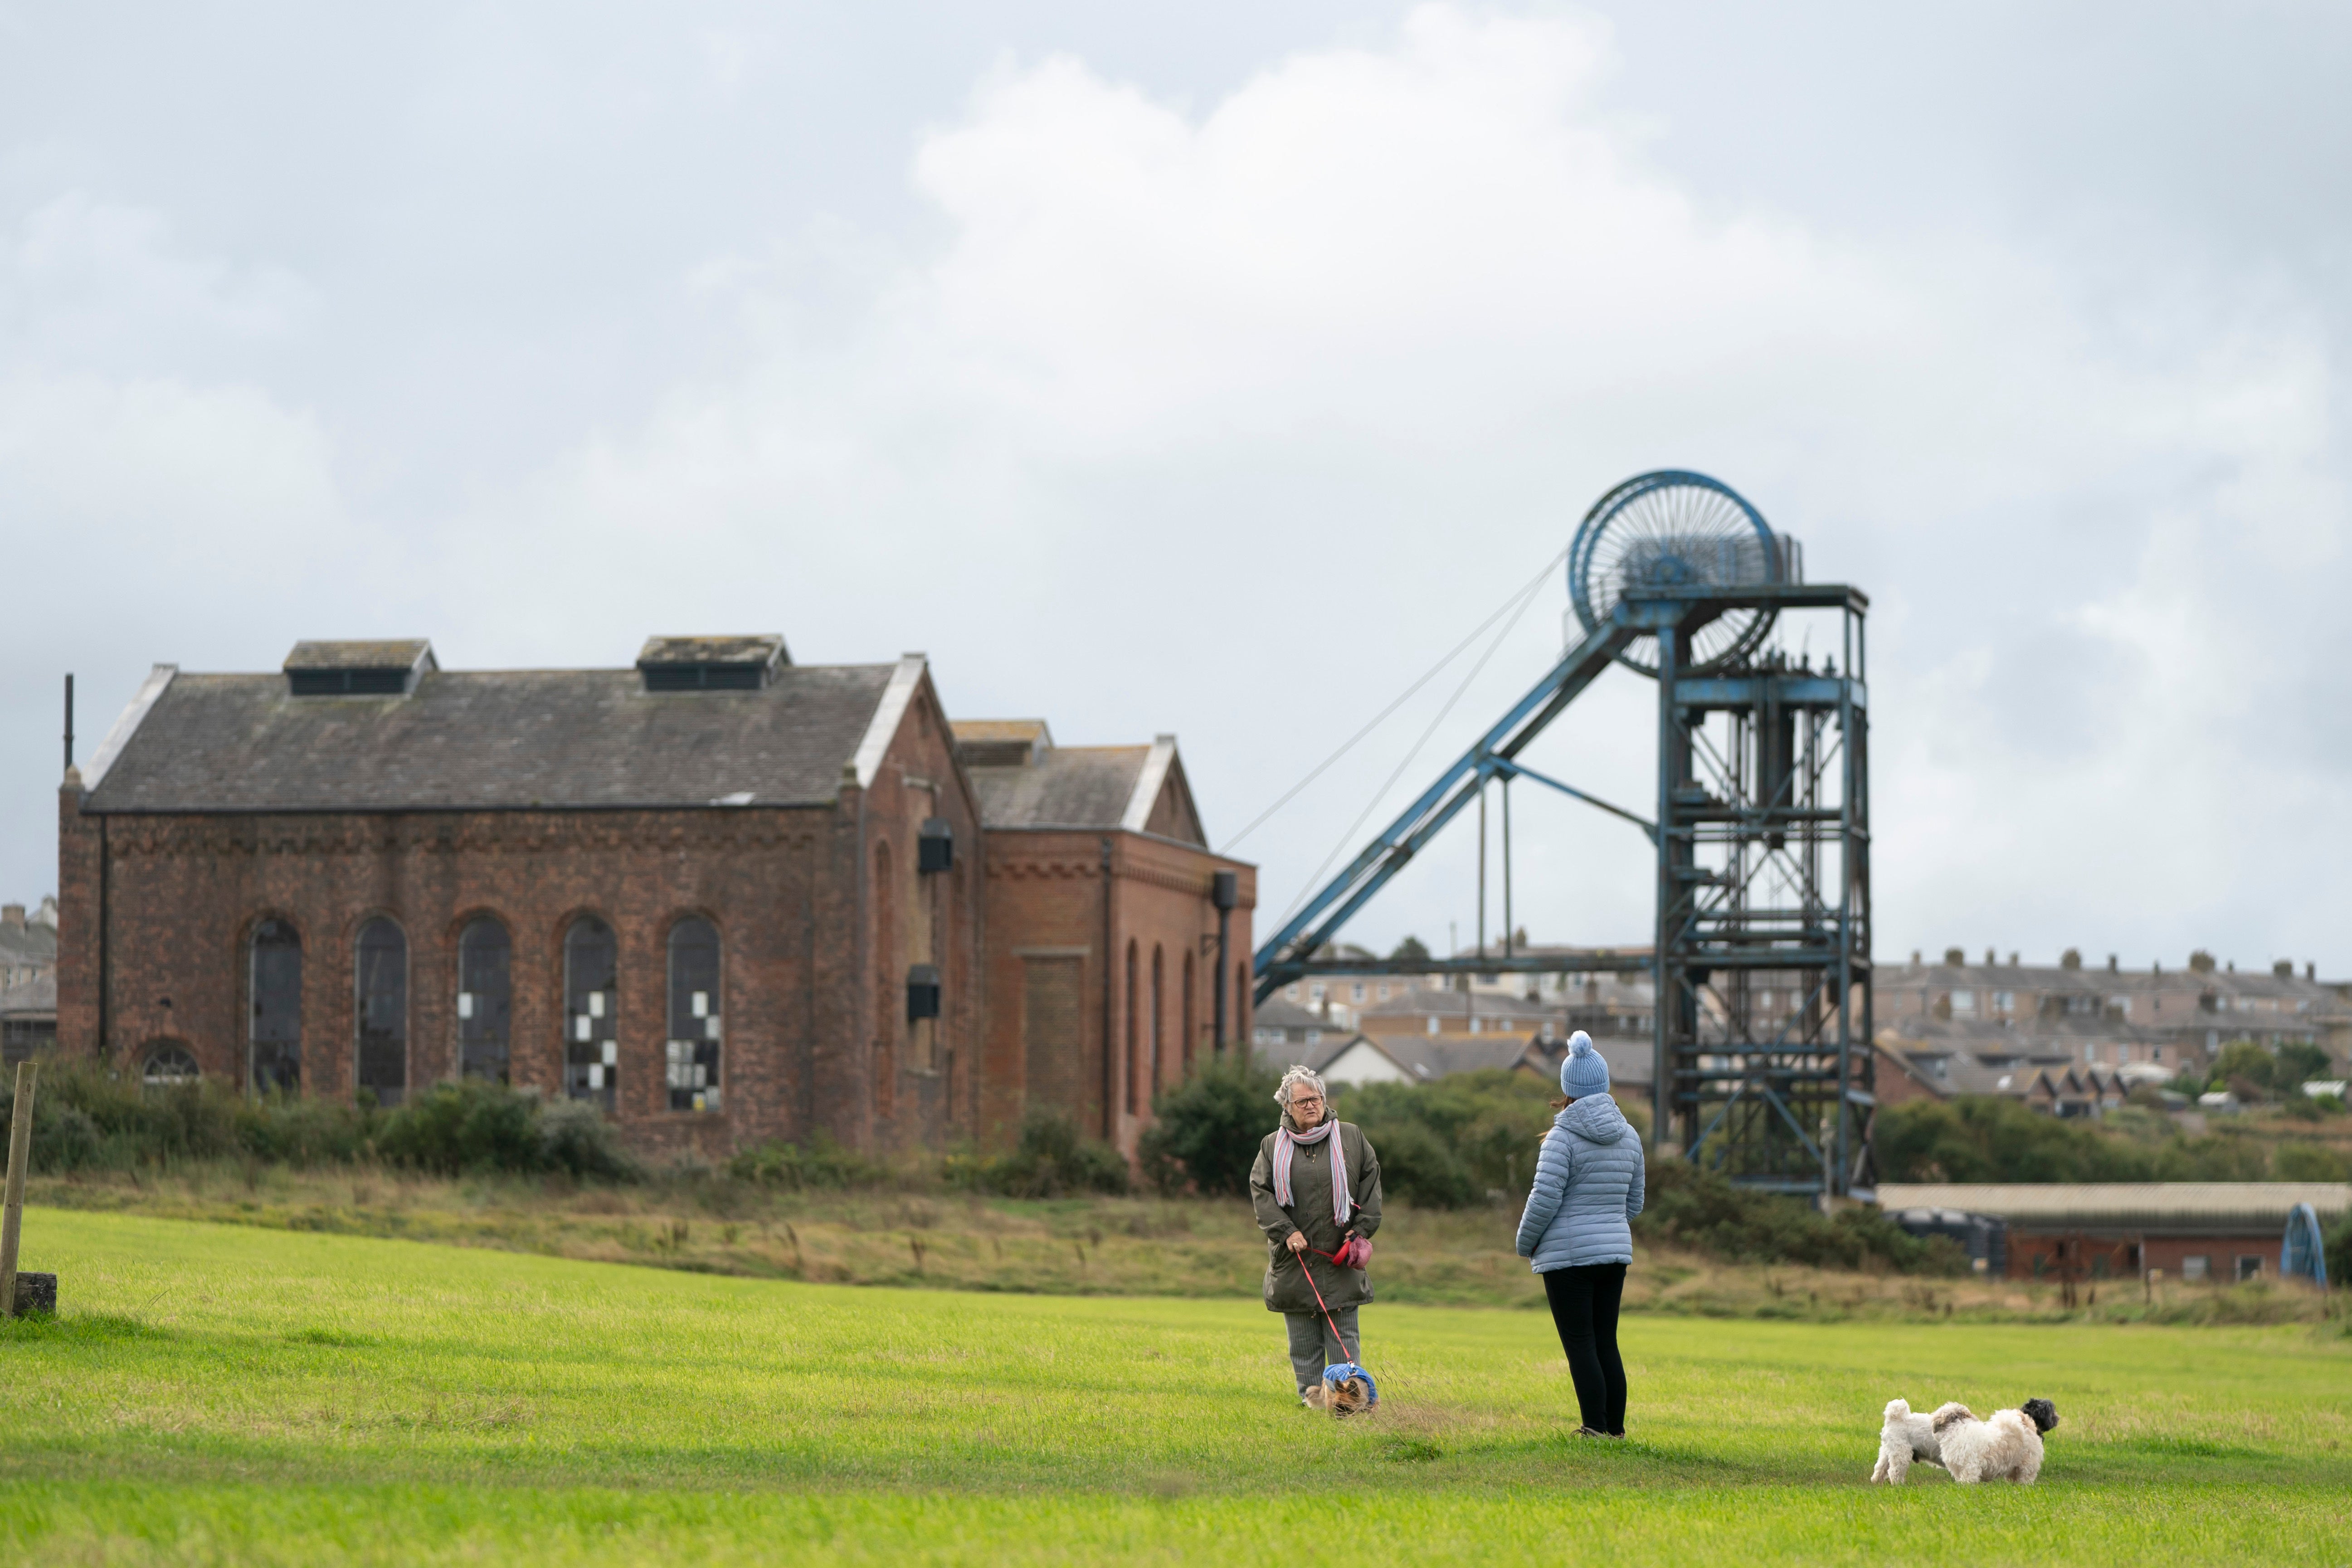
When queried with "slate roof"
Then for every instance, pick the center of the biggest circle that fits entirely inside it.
(32, 944)
(509, 739)
(36, 998)
(1069, 786)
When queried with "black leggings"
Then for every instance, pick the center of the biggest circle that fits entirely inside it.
(1584, 1309)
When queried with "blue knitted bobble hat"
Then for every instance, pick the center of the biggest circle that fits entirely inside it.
(1583, 1072)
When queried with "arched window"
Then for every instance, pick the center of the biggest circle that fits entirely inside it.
(1187, 1007)
(696, 1027)
(275, 1062)
(485, 1000)
(380, 979)
(1158, 1015)
(169, 1063)
(1132, 1052)
(591, 1046)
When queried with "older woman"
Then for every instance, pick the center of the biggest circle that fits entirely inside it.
(1315, 1184)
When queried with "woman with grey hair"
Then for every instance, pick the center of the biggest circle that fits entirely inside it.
(1316, 1187)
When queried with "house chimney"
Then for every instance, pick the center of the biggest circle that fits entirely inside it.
(2311, 972)
(2112, 964)
(1954, 957)
(11, 917)
(2284, 969)
(2200, 962)
(2070, 958)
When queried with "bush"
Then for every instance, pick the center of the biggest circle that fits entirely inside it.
(2308, 1162)
(2338, 1248)
(84, 1117)
(1052, 1160)
(1416, 1166)
(1702, 1210)
(474, 1127)
(2243, 1061)
(1207, 1129)
(820, 1163)
(1448, 1143)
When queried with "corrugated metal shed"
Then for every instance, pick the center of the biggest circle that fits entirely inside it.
(2152, 1208)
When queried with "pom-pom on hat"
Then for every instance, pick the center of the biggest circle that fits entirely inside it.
(1583, 1072)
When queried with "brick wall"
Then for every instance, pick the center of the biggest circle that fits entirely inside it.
(1053, 1001)
(813, 985)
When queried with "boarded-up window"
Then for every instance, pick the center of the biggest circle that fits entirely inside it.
(1051, 1037)
(485, 999)
(380, 978)
(276, 1066)
(591, 994)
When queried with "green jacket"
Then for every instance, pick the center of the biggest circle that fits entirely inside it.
(1311, 1212)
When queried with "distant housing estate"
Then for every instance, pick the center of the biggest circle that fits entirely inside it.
(28, 979)
(2070, 1038)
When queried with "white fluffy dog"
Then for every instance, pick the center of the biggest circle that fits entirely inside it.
(2006, 1445)
(1907, 1438)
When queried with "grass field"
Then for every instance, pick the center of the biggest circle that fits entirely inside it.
(218, 1394)
(1073, 1247)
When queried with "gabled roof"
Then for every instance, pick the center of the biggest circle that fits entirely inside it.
(493, 740)
(1138, 789)
(36, 998)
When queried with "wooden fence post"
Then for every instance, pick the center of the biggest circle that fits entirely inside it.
(12, 1215)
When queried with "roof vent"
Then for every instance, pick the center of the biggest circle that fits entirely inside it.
(711, 664)
(358, 669)
(1001, 742)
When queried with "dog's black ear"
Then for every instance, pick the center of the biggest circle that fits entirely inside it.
(2042, 1413)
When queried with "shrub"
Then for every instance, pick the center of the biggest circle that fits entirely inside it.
(575, 1138)
(1452, 1142)
(819, 1163)
(1207, 1129)
(1052, 1160)
(2338, 1248)
(1702, 1210)
(2243, 1061)
(1416, 1165)
(2308, 1162)
(474, 1127)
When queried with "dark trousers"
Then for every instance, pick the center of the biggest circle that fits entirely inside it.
(1584, 1309)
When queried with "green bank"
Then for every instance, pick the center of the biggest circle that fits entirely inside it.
(224, 1394)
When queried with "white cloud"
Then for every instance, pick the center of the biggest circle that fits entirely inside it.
(1224, 414)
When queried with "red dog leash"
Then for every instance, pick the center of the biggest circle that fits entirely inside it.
(1353, 1253)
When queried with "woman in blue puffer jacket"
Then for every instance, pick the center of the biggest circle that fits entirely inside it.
(1578, 1228)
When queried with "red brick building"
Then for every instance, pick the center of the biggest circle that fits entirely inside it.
(1096, 853)
(727, 896)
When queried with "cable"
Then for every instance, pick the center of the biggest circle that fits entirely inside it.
(1526, 597)
(1292, 794)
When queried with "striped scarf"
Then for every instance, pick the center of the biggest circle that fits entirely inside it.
(1284, 1140)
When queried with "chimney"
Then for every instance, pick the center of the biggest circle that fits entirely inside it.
(1991, 958)
(1954, 957)
(2284, 969)
(2311, 972)
(2070, 958)
(2112, 964)
(11, 917)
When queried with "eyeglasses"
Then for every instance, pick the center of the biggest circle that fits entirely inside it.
(1299, 1099)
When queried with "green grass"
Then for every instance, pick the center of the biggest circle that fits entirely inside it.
(219, 1393)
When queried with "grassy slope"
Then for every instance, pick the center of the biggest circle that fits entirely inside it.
(232, 1395)
(1081, 1247)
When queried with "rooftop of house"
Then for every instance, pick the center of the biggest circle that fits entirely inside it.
(2250, 1207)
(35, 999)
(494, 740)
(27, 940)
(1024, 780)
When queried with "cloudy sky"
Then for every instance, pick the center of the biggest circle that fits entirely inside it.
(1213, 368)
